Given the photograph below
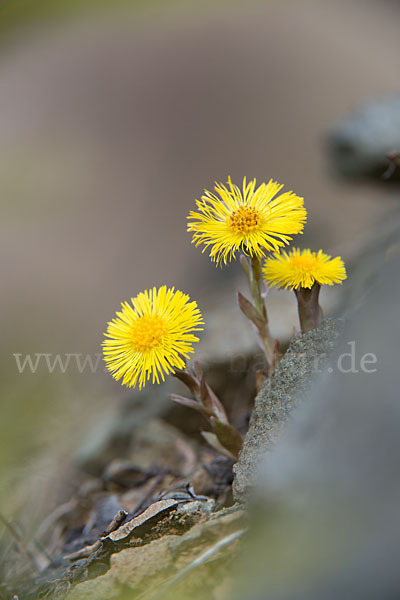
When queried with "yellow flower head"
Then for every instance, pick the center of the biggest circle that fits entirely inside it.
(252, 220)
(151, 336)
(302, 268)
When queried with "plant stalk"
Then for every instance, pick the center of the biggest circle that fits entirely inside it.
(268, 344)
(310, 312)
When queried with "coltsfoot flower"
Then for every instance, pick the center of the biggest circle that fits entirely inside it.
(251, 220)
(304, 272)
(303, 268)
(152, 336)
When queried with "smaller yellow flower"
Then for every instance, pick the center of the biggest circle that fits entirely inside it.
(302, 268)
(152, 336)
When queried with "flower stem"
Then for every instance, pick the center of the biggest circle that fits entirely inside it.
(268, 344)
(255, 287)
(310, 312)
(224, 438)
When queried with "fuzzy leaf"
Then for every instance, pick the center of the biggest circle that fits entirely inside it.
(189, 380)
(219, 410)
(228, 436)
(250, 311)
(211, 401)
(205, 395)
(198, 370)
(191, 404)
(212, 440)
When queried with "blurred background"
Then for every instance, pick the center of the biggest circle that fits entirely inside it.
(114, 116)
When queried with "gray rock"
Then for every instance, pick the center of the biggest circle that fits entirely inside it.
(328, 523)
(100, 588)
(172, 565)
(289, 385)
(359, 143)
(205, 507)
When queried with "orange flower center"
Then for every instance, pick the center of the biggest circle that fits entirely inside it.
(147, 332)
(305, 264)
(244, 220)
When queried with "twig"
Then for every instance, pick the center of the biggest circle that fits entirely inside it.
(116, 521)
(114, 524)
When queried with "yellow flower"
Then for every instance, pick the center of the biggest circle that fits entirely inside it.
(252, 220)
(152, 336)
(302, 268)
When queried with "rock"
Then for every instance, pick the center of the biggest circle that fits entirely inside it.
(327, 524)
(214, 479)
(358, 144)
(161, 446)
(163, 564)
(288, 386)
(124, 474)
(149, 566)
(146, 519)
(112, 436)
(205, 507)
(104, 586)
